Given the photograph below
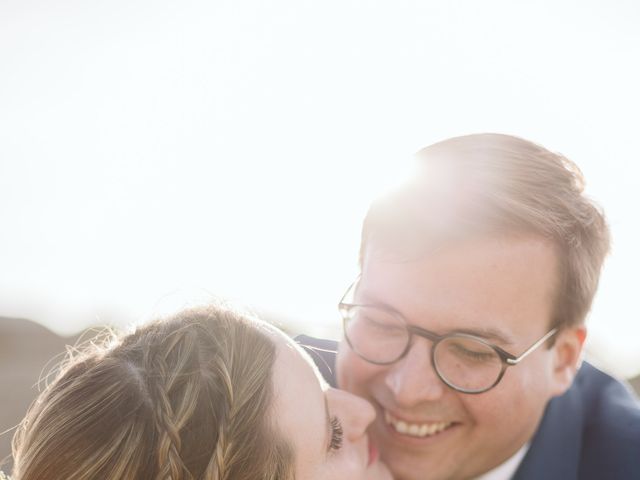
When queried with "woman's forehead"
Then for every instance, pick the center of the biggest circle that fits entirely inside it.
(299, 403)
(291, 349)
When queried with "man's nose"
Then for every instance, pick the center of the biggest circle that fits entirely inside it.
(412, 379)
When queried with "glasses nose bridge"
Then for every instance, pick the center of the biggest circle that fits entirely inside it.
(434, 338)
(421, 332)
(413, 378)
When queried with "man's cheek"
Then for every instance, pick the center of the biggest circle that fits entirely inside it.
(354, 374)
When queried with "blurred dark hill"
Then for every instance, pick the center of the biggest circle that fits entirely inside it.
(27, 350)
(635, 383)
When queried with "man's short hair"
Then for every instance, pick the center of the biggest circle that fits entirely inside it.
(497, 184)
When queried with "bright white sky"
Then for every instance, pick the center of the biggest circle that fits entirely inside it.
(153, 149)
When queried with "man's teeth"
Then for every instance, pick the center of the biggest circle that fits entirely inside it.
(416, 429)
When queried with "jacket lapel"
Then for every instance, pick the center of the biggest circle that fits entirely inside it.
(555, 449)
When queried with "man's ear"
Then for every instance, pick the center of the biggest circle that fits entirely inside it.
(567, 355)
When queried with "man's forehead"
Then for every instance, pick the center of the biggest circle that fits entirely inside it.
(472, 285)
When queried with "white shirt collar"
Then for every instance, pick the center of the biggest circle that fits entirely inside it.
(508, 468)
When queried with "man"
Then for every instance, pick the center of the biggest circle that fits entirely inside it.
(465, 327)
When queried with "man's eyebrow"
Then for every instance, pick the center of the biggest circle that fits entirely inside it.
(373, 302)
(486, 334)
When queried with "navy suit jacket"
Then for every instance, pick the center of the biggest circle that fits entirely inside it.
(592, 432)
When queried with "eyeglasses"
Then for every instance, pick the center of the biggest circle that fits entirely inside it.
(464, 362)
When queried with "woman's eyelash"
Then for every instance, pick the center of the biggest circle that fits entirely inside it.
(336, 434)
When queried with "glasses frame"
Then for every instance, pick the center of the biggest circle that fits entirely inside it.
(507, 359)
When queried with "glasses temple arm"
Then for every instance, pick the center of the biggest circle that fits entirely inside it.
(515, 361)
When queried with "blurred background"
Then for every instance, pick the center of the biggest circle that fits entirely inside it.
(153, 153)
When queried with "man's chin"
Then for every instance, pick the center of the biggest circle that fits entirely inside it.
(407, 467)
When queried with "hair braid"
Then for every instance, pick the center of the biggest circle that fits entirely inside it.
(175, 392)
(220, 457)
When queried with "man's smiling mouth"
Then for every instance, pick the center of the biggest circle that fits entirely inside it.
(412, 429)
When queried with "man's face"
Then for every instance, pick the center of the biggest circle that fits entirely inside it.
(502, 288)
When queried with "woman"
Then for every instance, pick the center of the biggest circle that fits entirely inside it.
(206, 394)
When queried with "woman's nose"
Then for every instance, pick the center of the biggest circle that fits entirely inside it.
(355, 413)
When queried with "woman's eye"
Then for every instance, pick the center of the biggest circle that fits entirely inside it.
(336, 434)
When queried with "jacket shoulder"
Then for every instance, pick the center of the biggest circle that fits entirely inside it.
(611, 436)
(323, 354)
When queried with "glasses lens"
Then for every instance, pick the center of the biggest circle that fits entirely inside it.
(375, 334)
(467, 363)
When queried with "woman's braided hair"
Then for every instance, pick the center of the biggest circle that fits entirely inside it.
(185, 398)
